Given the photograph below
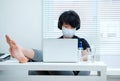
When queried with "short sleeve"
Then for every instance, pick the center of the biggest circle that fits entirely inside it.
(85, 44)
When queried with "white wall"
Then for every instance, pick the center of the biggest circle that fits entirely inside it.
(22, 20)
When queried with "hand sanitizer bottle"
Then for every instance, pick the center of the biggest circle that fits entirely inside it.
(80, 49)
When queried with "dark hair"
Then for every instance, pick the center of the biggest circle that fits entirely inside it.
(69, 17)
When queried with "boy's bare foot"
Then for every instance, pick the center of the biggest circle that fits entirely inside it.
(15, 50)
(17, 53)
(8, 39)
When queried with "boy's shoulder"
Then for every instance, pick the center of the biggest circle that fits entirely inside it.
(80, 39)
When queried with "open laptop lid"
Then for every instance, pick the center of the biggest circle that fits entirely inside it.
(60, 50)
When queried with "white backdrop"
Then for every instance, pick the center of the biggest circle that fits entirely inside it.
(22, 20)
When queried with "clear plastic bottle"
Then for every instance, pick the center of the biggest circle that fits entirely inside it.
(90, 55)
(80, 49)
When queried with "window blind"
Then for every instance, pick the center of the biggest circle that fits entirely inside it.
(86, 10)
(100, 23)
(109, 24)
(109, 19)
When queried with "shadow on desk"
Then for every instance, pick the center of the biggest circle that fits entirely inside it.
(73, 73)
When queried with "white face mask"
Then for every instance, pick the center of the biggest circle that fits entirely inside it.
(68, 32)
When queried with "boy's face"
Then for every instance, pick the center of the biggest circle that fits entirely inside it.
(68, 31)
(68, 26)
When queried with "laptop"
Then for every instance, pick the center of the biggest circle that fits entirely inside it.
(60, 50)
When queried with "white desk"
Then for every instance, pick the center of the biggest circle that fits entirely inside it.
(100, 67)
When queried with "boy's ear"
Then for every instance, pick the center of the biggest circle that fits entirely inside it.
(78, 27)
(59, 25)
